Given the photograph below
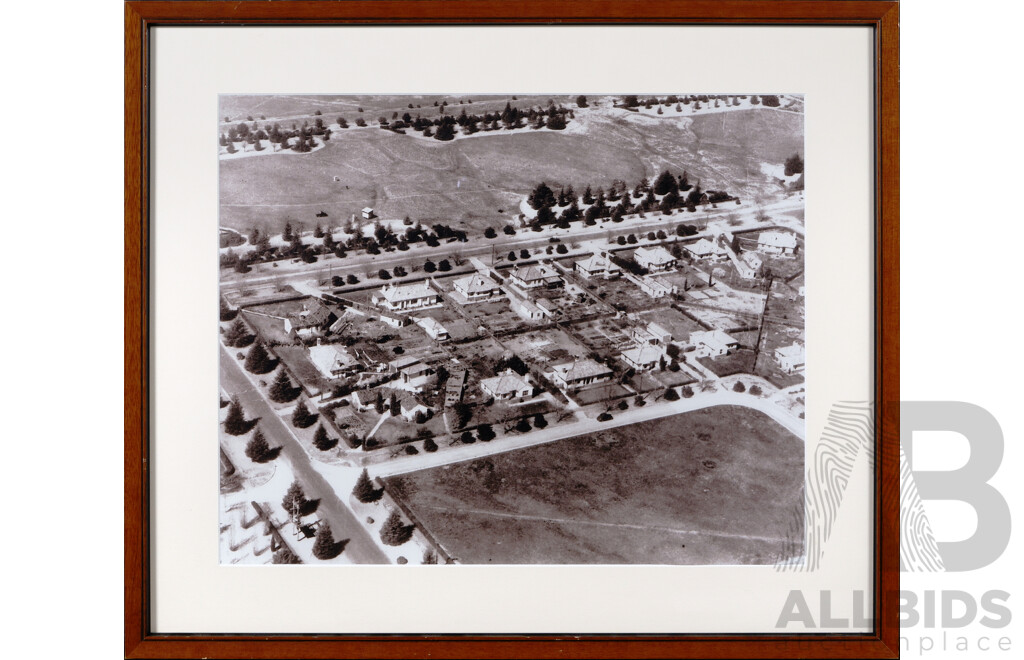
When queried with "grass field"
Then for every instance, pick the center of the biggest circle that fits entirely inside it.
(466, 182)
(717, 486)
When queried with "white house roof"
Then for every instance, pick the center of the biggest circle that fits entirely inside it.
(713, 338)
(581, 369)
(534, 273)
(431, 325)
(595, 263)
(475, 283)
(704, 247)
(368, 209)
(777, 239)
(793, 351)
(398, 292)
(656, 256)
(505, 383)
(328, 358)
(642, 354)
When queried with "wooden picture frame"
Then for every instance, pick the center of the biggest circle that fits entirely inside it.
(882, 16)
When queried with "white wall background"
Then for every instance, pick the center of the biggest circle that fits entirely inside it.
(62, 434)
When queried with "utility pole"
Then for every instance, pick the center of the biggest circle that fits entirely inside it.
(764, 313)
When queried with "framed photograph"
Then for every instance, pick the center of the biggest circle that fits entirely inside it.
(511, 329)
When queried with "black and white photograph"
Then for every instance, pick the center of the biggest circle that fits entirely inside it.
(511, 329)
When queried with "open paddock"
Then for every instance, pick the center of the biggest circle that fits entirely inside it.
(722, 485)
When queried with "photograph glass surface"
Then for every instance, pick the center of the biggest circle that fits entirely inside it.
(512, 329)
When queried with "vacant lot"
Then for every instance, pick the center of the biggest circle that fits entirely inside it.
(716, 486)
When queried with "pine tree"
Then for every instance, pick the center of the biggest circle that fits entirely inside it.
(445, 132)
(258, 450)
(236, 423)
(258, 360)
(236, 333)
(393, 532)
(324, 547)
(322, 441)
(302, 418)
(364, 490)
(485, 432)
(393, 405)
(665, 183)
(285, 556)
(282, 389)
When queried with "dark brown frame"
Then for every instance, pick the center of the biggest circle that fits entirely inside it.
(881, 15)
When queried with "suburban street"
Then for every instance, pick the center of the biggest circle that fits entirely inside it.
(361, 548)
(419, 252)
(651, 411)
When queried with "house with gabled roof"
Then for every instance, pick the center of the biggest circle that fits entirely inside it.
(777, 242)
(507, 385)
(410, 407)
(643, 358)
(310, 321)
(705, 249)
(712, 343)
(580, 373)
(476, 287)
(400, 297)
(333, 360)
(652, 333)
(526, 309)
(434, 329)
(597, 265)
(791, 358)
(535, 276)
(655, 259)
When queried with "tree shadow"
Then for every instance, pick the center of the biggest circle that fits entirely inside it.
(309, 506)
(336, 549)
(270, 455)
(306, 422)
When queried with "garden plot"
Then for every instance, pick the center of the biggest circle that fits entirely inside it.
(539, 348)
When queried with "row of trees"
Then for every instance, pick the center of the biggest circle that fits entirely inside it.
(383, 239)
(634, 101)
(444, 127)
(669, 192)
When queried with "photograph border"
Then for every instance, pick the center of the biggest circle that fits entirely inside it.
(880, 15)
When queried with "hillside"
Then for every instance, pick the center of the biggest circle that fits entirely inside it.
(465, 182)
